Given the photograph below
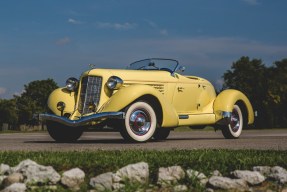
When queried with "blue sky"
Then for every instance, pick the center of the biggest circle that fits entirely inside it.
(58, 39)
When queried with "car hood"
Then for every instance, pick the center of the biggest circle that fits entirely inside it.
(143, 76)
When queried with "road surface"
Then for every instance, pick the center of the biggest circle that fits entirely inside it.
(252, 139)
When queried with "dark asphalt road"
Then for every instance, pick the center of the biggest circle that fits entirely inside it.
(252, 139)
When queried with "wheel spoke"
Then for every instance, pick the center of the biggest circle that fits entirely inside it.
(235, 121)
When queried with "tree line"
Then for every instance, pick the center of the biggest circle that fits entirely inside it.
(20, 109)
(266, 87)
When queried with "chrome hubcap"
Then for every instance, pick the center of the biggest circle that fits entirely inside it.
(235, 121)
(140, 122)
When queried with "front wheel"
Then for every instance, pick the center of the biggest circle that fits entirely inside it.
(161, 133)
(62, 133)
(139, 123)
(234, 128)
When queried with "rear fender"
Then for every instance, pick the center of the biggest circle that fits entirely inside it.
(225, 101)
(127, 95)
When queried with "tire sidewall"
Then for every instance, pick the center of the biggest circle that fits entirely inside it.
(148, 109)
(238, 132)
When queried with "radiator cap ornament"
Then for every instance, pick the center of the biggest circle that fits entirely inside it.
(92, 66)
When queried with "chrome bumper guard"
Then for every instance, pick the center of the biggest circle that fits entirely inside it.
(226, 118)
(83, 120)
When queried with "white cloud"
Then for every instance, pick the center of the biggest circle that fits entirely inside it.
(116, 26)
(74, 21)
(207, 57)
(19, 93)
(2, 90)
(156, 27)
(152, 24)
(252, 2)
(63, 41)
(163, 32)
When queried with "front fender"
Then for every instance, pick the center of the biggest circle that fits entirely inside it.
(127, 95)
(61, 94)
(225, 101)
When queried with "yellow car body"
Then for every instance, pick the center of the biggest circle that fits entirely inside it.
(177, 100)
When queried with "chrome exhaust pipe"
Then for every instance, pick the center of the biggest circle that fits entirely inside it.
(83, 120)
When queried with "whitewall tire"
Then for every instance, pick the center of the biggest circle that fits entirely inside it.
(234, 128)
(140, 122)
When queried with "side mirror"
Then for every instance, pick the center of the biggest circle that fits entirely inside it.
(181, 69)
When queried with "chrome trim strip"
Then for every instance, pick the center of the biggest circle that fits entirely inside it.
(183, 117)
(83, 120)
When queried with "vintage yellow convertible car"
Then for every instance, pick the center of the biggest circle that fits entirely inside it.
(144, 101)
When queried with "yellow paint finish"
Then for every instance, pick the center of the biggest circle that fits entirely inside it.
(193, 95)
(127, 95)
(226, 100)
(61, 94)
(200, 119)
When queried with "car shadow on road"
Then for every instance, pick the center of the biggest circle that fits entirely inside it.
(92, 141)
(122, 141)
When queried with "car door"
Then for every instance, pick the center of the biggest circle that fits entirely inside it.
(186, 95)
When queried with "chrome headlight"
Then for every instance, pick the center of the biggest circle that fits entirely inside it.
(72, 84)
(114, 82)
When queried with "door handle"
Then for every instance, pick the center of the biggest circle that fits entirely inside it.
(180, 89)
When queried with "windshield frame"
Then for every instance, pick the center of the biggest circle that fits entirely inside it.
(151, 64)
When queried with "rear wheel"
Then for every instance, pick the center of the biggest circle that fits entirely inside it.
(139, 123)
(234, 128)
(161, 133)
(62, 133)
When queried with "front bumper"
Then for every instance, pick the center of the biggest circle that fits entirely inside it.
(83, 120)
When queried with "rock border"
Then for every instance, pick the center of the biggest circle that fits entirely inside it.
(29, 175)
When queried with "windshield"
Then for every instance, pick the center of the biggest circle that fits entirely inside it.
(155, 64)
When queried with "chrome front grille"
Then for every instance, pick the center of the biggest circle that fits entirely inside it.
(90, 93)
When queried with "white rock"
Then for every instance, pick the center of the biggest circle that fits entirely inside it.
(15, 187)
(35, 173)
(209, 190)
(170, 175)
(73, 178)
(192, 174)
(226, 183)
(134, 173)
(251, 177)
(23, 164)
(279, 174)
(103, 182)
(216, 173)
(180, 188)
(13, 178)
(5, 169)
(2, 177)
(264, 170)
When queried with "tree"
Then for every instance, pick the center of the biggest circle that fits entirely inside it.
(34, 99)
(8, 113)
(277, 92)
